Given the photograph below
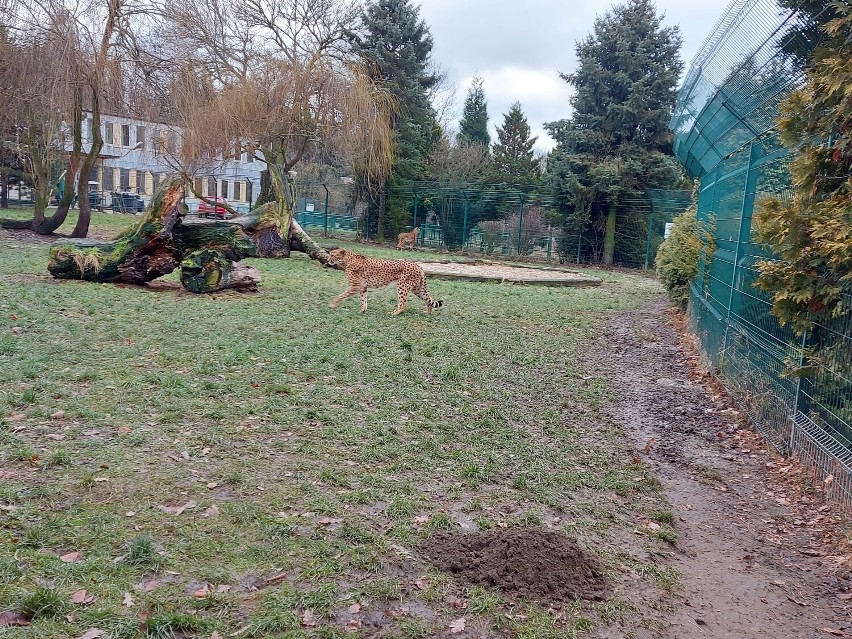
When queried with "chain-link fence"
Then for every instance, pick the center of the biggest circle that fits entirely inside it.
(796, 390)
(494, 220)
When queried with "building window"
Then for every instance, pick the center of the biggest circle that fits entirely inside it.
(171, 145)
(124, 179)
(211, 187)
(108, 133)
(198, 186)
(238, 190)
(125, 135)
(109, 178)
(225, 189)
(140, 137)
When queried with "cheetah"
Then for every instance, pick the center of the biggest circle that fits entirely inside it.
(409, 238)
(364, 272)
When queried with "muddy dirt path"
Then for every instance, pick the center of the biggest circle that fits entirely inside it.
(751, 551)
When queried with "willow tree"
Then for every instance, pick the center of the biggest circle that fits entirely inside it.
(281, 91)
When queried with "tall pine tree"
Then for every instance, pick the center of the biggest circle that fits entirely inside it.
(473, 127)
(617, 142)
(514, 159)
(396, 45)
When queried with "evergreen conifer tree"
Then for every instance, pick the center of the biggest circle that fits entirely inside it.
(514, 158)
(396, 45)
(617, 142)
(473, 127)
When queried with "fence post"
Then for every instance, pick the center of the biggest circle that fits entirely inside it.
(798, 394)
(648, 243)
(416, 202)
(549, 242)
(579, 244)
(746, 210)
(520, 221)
(464, 224)
(325, 231)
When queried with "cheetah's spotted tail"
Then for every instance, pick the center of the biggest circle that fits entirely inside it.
(431, 303)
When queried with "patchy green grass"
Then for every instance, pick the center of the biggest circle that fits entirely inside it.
(262, 463)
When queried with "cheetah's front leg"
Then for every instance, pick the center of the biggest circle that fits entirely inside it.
(349, 291)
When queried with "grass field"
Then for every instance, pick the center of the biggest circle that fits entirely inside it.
(261, 464)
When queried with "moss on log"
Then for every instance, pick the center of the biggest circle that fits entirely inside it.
(208, 271)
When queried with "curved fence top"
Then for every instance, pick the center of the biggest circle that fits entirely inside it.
(751, 60)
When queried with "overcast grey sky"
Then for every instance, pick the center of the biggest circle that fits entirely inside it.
(520, 48)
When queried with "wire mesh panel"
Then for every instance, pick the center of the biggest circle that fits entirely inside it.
(796, 389)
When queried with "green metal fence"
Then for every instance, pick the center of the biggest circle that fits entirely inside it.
(725, 135)
(499, 220)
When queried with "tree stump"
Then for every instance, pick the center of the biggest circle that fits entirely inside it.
(164, 241)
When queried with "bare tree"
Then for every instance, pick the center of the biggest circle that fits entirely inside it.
(62, 68)
(267, 77)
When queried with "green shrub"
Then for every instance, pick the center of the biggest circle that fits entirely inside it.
(677, 257)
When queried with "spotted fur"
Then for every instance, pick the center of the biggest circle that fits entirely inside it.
(409, 238)
(364, 272)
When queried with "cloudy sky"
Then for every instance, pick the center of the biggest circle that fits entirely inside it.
(519, 48)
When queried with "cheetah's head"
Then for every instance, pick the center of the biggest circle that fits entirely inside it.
(338, 258)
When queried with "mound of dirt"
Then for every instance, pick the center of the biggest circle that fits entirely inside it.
(538, 565)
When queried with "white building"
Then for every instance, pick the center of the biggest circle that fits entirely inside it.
(134, 159)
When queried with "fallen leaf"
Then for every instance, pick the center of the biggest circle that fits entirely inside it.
(211, 485)
(457, 626)
(201, 593)
(421, 519)
(223, 588)
(70, 557)
(355, 608)
(17, 330)
(58, 414)
(309, 619)
(215, 635)
(457, 602)
(128, 599)
(421, 584)
(177, 510)
(91, 633)
(13, 618)
(148, 586)
(79, 596)
(124, 429)
(325, 521)
(352, 625)
(213, 511)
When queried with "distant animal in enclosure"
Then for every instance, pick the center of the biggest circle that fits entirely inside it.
(364, 272)
(409, 238)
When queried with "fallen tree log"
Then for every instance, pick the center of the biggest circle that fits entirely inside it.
(164, 240)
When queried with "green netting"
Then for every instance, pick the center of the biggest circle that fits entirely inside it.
(724, 126)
